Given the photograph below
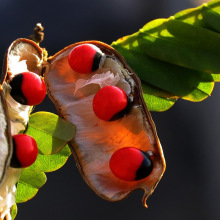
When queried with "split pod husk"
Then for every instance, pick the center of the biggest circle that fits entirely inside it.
(96, 140)
(22, 55)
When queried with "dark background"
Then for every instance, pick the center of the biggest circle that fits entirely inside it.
(189, 132)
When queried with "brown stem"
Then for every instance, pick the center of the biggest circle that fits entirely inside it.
(38, 35)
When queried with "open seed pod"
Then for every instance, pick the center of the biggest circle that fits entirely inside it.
(97, 140)
(22, 55)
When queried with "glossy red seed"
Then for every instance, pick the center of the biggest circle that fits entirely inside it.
(25, 149)
(33, 88)
(28, 88)
(85, 58)
(109, 101)
(125, 163)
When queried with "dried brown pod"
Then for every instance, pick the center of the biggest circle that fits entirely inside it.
(22, 55)
(97, 140)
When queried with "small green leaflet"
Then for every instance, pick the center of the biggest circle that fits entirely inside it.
(50, 132)
(176, 57)
(50, 163)
(33, 177)
(29, 183)
(14, 211)
(159, 102)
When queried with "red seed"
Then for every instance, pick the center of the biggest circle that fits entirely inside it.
(109, 101)
(130, 164)
(28, 88)
(25, 150)
(85, 58)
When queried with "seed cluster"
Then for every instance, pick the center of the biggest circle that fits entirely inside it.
(111, 103)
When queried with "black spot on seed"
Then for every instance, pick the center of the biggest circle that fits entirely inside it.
(14, 160)
(16, 91)
(125, 111)
(145, 168)
(96, 61)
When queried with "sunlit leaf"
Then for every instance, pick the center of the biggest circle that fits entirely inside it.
(50, 132)
(182, 44)
(177, 56)
(14, 211)
(29, 183)
(179, 81)
(156, 101)
(49, 163)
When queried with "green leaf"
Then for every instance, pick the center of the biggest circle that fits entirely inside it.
(49, 163)
(197, 16)
(156, 103)
(191, 16)
(44, 127)
(33, 177)
(216, 77)
(29, 183)
(14, 211)
(50, 132)
(177, 57)
(179, 81)
(25, 192)
(211, 17)
(182, 44)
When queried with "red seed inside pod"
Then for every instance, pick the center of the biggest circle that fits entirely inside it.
(28, 88)
(85, 58)
(130, 164)
(24, 151)
(109, 101)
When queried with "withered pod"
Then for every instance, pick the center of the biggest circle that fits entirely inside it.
(22, 55)
(96, 140)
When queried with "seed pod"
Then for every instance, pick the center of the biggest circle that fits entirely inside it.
(22, 55)
(97, 140)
